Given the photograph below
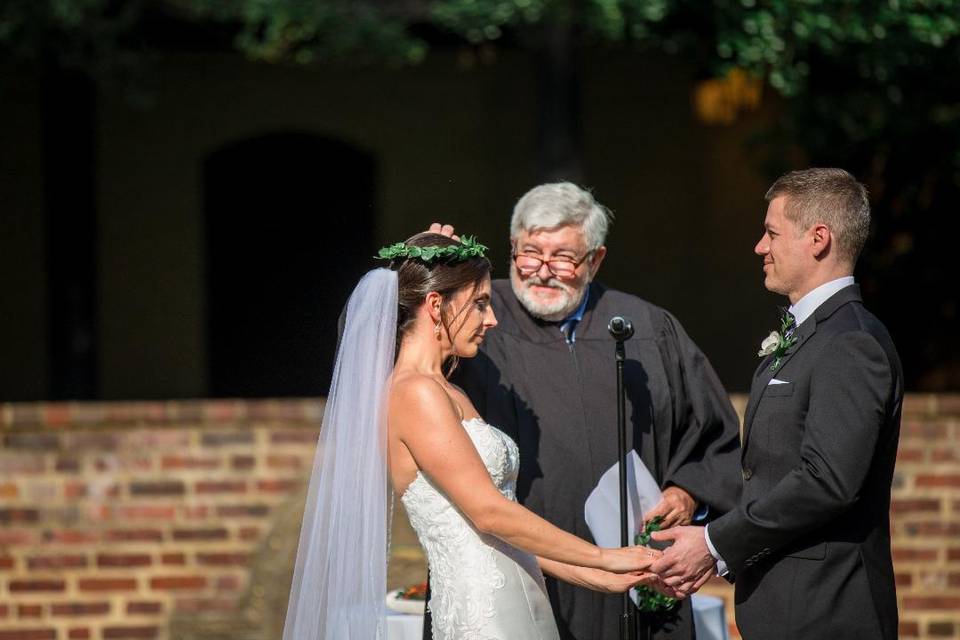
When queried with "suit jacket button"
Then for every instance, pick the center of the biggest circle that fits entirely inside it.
(747, 474)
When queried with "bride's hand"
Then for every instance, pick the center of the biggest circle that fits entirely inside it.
(629, 559)
(607, 582)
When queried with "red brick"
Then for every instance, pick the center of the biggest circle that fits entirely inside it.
(227, 438)
(56, 414)
(243, 462)
(953, 580)
(34, 441)
(278, 486)
(178, 582)
(908, 554)
(200, 605)
(18, 516)
(158, 488)
(221, 486)
(931, 602)
(940, 480)
(249, 533)
(224, 410)
(931, 529)
(68, 465)
(285, 462)
(295, 436)
(16, 537)
(70, 536)
(98, 441)
(130, 633)
(107, 584)
(228, 583)
(56, 562)
(28, 634)
(133, 535)
(195, 511)
(9, 490)
(144, 608)
(940, 629)
(123, 560)
(221, 559)
(909, 629)
(243, 510)
(944, 455)
(29, 610)
(18, 586)
(953, 555)
(4, 610)
(200, 534)
(903, 579)
(930, 431)
(16, 463)
(910, 455)
(73, 490)
(79, 633)
(147, 512)
(80, 608)
(190, 462)
(173, 558)
(7, 562)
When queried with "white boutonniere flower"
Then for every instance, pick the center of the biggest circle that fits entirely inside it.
(778, 342)
(769, 344)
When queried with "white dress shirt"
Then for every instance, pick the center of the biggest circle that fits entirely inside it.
(802, 310)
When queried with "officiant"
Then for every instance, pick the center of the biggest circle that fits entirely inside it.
(546, 377)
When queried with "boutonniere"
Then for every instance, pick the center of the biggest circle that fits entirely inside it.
(778, 342)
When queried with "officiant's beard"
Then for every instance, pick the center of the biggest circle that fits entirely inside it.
(568, 301)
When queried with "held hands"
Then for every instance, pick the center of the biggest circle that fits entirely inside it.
(687, 564)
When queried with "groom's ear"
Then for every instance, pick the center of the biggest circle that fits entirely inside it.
(822, 239)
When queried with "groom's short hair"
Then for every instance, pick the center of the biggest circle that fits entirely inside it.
(552, 205)
(829, 196)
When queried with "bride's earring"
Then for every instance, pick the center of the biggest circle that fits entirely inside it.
(436, 330)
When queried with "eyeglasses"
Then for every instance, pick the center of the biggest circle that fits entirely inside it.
(560, 267)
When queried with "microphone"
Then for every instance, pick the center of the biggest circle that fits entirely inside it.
(620, 328)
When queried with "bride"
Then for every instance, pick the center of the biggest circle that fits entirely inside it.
(393, 417)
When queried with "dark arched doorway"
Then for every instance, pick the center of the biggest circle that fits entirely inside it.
(288, 232)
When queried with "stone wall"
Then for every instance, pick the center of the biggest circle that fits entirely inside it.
(179, 520)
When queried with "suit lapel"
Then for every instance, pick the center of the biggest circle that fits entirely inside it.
(805, 331)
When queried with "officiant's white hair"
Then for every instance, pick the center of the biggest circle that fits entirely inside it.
(548, 206)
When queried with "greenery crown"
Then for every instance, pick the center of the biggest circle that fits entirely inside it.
(468, 248)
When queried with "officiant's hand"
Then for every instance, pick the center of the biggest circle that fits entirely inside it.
(444, 230)
(686, 564)
(676, 507)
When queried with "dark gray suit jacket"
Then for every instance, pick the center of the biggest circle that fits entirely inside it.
(809, 542)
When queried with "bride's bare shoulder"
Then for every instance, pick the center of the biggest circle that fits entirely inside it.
(412, 390)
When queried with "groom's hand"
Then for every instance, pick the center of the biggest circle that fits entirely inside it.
(687, 564)
(676, 507)
(444, 230)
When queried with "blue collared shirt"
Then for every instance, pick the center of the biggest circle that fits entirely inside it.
(574, 319)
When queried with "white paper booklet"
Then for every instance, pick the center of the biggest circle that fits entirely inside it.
(602, 509)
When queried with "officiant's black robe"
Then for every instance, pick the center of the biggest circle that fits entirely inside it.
(558, 402)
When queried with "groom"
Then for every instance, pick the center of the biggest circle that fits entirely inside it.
(809, 542)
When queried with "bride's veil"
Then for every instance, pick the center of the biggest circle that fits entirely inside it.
(340, 576)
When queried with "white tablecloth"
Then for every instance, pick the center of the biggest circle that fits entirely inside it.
(708, 616)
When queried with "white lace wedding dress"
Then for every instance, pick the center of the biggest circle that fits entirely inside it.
(481, 587)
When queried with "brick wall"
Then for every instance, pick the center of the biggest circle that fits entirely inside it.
(179, 519)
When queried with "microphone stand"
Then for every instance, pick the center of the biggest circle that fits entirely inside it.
(621, 330)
